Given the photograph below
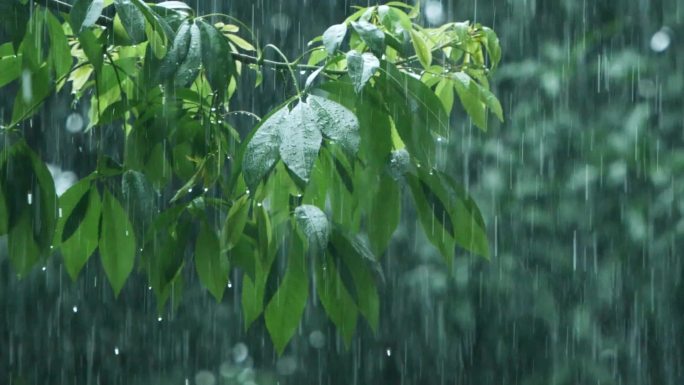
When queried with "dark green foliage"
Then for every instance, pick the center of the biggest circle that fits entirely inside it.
(314, 182)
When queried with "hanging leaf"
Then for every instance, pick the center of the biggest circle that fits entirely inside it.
(211, 264)
(84, 14)
(333, 37)
(339, 305)
(31, 205)
(217, 59)
(262, 151)
(384, 214)
(361, 68)
(336, 123)
(492, 46)
(360, 262)
(314, 224)
(422, 51)
(117, 243)
(132, 19)
(475, 99)
(285, 309)
(235, 223)
(189, 68)
(375, 127)
(77, 247)
(139, 199)
(371, 35)
(300, 140)
(60, 52)
(35, 87)
(176, 54)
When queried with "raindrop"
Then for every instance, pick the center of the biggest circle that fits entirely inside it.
(59, 212)
(44, 268)
(74, 309)
(190, 190)
(434, 12)
(259, 204)
(240, 352)
(116, 351)
(286, 365)
(159, 319)
(280, 21)
(317, 339)
(206, 189)
(205, 377)
(661, 40)
(74, 123)
(26, 89)
(230, 285)
(388, 352)
(29, 198)
(247, 192)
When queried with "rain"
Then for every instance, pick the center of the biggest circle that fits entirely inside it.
(529, 237)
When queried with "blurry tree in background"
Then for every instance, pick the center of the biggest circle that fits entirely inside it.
(581, 189)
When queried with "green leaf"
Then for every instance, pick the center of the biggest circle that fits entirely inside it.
(176, 6)
(133, 20)
(216, 58)
(422, 51)
(176, 54)
(10, 69)
(60, 52)
(85, 13)
(188, 69)
(421, 101)
(492, 46)
(31, 205)
(235, 222)
(475, 99)
(300, 140)
(361, 68)
(359, 260)
(285, 309)
(117, 242)
(445, 93)
(335, 298)
(384, 214)
(23, 250)
(314, 224)
(375, 128)
(336, 122)
(240, 42)
(333, 37)
(371, 35)
(139, 199)
(93, 48)
(211, 264)
(80, 245)
(73, 205)
(262, 151)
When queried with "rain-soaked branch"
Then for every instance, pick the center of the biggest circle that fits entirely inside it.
(105, 21)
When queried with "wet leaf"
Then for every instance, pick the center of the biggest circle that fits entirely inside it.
(314, 224)
(336, 123)
(211, 264)
(284, 311)
(216, 58)
(333, 37)
(262, 150)
(300, 140)
(81, 244)
(422, 51)
(384, 214)
(132, 19)
(371, 35)
(361, 68)
(338, 303)
(117, 242)
(85, 13)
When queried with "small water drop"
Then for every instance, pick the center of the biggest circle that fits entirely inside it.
(116, 351)
(74, 309)
(29, 198)
(388, 352)
(661, 40)
(159, 319)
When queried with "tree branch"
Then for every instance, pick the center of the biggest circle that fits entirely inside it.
(105, 21)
